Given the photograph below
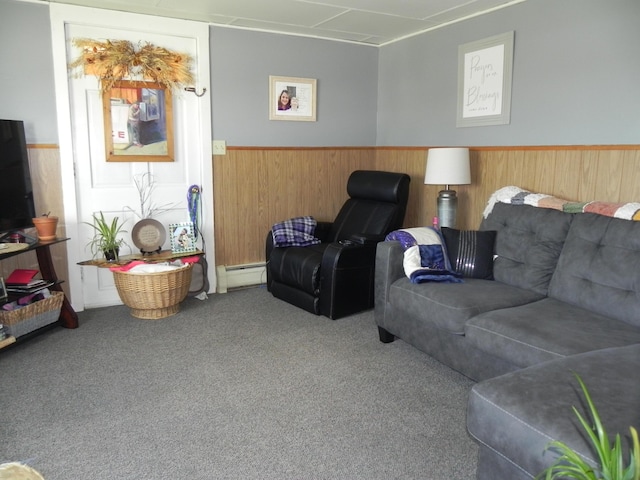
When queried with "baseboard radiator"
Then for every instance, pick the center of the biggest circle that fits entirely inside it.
(238, 276)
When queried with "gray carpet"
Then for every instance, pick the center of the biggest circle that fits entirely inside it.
(239, 386)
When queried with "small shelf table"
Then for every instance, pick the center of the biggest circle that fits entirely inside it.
(162, 256)
(68, 316)
(150, 296)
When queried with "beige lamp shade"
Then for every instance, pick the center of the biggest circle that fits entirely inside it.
(448, 166)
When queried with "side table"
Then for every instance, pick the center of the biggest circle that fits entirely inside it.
(68, 316)
(151, 296)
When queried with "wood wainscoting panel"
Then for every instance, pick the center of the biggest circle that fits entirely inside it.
(257, 187)
(578, 173)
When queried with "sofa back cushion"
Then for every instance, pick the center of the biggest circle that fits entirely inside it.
(599, 268)
(528, 244)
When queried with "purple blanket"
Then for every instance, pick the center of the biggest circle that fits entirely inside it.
(295, 232)
(425, 255)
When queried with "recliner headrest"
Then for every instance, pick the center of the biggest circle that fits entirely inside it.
(376, 185)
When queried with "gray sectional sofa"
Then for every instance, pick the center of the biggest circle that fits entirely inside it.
(565, 299)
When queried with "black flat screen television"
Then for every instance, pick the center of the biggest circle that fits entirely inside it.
(16, 193)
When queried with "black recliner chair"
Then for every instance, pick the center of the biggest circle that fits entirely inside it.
(336, 277)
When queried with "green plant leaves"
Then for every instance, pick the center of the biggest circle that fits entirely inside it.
(106, 234)
(570, 465)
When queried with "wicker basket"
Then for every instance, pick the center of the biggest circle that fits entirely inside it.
(35, 315)
(153, 295)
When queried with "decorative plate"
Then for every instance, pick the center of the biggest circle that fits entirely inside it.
(148, 235)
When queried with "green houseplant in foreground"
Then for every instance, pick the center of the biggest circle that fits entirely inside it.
(611, 461)
(105, 238)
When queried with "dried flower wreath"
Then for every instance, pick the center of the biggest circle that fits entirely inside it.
(112, 60)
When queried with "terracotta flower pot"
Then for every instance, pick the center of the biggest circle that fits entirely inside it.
(46, 227)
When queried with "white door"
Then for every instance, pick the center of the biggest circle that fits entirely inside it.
(110, 187)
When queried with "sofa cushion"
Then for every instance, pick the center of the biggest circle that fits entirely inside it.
(528, 244)
(516, 415)
(449, 305)
(599, 268)
(470, 251)
(545, 330)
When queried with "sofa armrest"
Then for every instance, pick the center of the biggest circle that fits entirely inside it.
(389, 268)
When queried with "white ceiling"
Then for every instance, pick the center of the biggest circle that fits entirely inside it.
(371, 22)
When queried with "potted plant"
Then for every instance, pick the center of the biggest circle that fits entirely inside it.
(105, 238)
(610, 455)
(46, 225)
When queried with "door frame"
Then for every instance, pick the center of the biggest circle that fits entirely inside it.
(60, 15)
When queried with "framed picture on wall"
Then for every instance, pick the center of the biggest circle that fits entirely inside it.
(484, 81)
(183, 239)
(292, 99)
(138, 122)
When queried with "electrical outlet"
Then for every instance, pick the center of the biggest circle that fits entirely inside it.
(219, 147)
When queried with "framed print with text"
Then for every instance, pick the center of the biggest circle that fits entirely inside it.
(138, 122)
(484, 81)
(292, 99)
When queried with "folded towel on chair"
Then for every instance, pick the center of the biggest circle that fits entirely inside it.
(295, 232)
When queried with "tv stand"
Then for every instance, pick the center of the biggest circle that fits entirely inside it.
(24, 238)
(68, 316)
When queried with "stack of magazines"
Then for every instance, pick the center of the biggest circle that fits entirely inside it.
(22, 280)
(31, 287)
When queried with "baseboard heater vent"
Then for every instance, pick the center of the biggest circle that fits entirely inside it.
(237, 276)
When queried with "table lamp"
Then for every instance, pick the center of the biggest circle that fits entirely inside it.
(447, 166)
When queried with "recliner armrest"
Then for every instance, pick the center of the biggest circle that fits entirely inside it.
(365, 238)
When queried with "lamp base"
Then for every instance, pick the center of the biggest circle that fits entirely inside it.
(447, 208)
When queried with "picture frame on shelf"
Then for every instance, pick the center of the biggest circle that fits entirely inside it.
(300, 102)
(183, 238)
(138, 122)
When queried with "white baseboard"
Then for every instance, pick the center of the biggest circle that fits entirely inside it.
(236, 276)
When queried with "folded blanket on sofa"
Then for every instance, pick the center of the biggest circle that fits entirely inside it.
(295, 232)
(518, 196)
(425, 256)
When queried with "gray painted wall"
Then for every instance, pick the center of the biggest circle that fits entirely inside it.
(346, 79)
(575, 78)
(575, 81)
(26, 70)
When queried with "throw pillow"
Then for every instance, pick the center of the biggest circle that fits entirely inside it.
(470, 251)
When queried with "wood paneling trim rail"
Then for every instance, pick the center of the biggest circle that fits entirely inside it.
(478, 149)
(489, 148)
